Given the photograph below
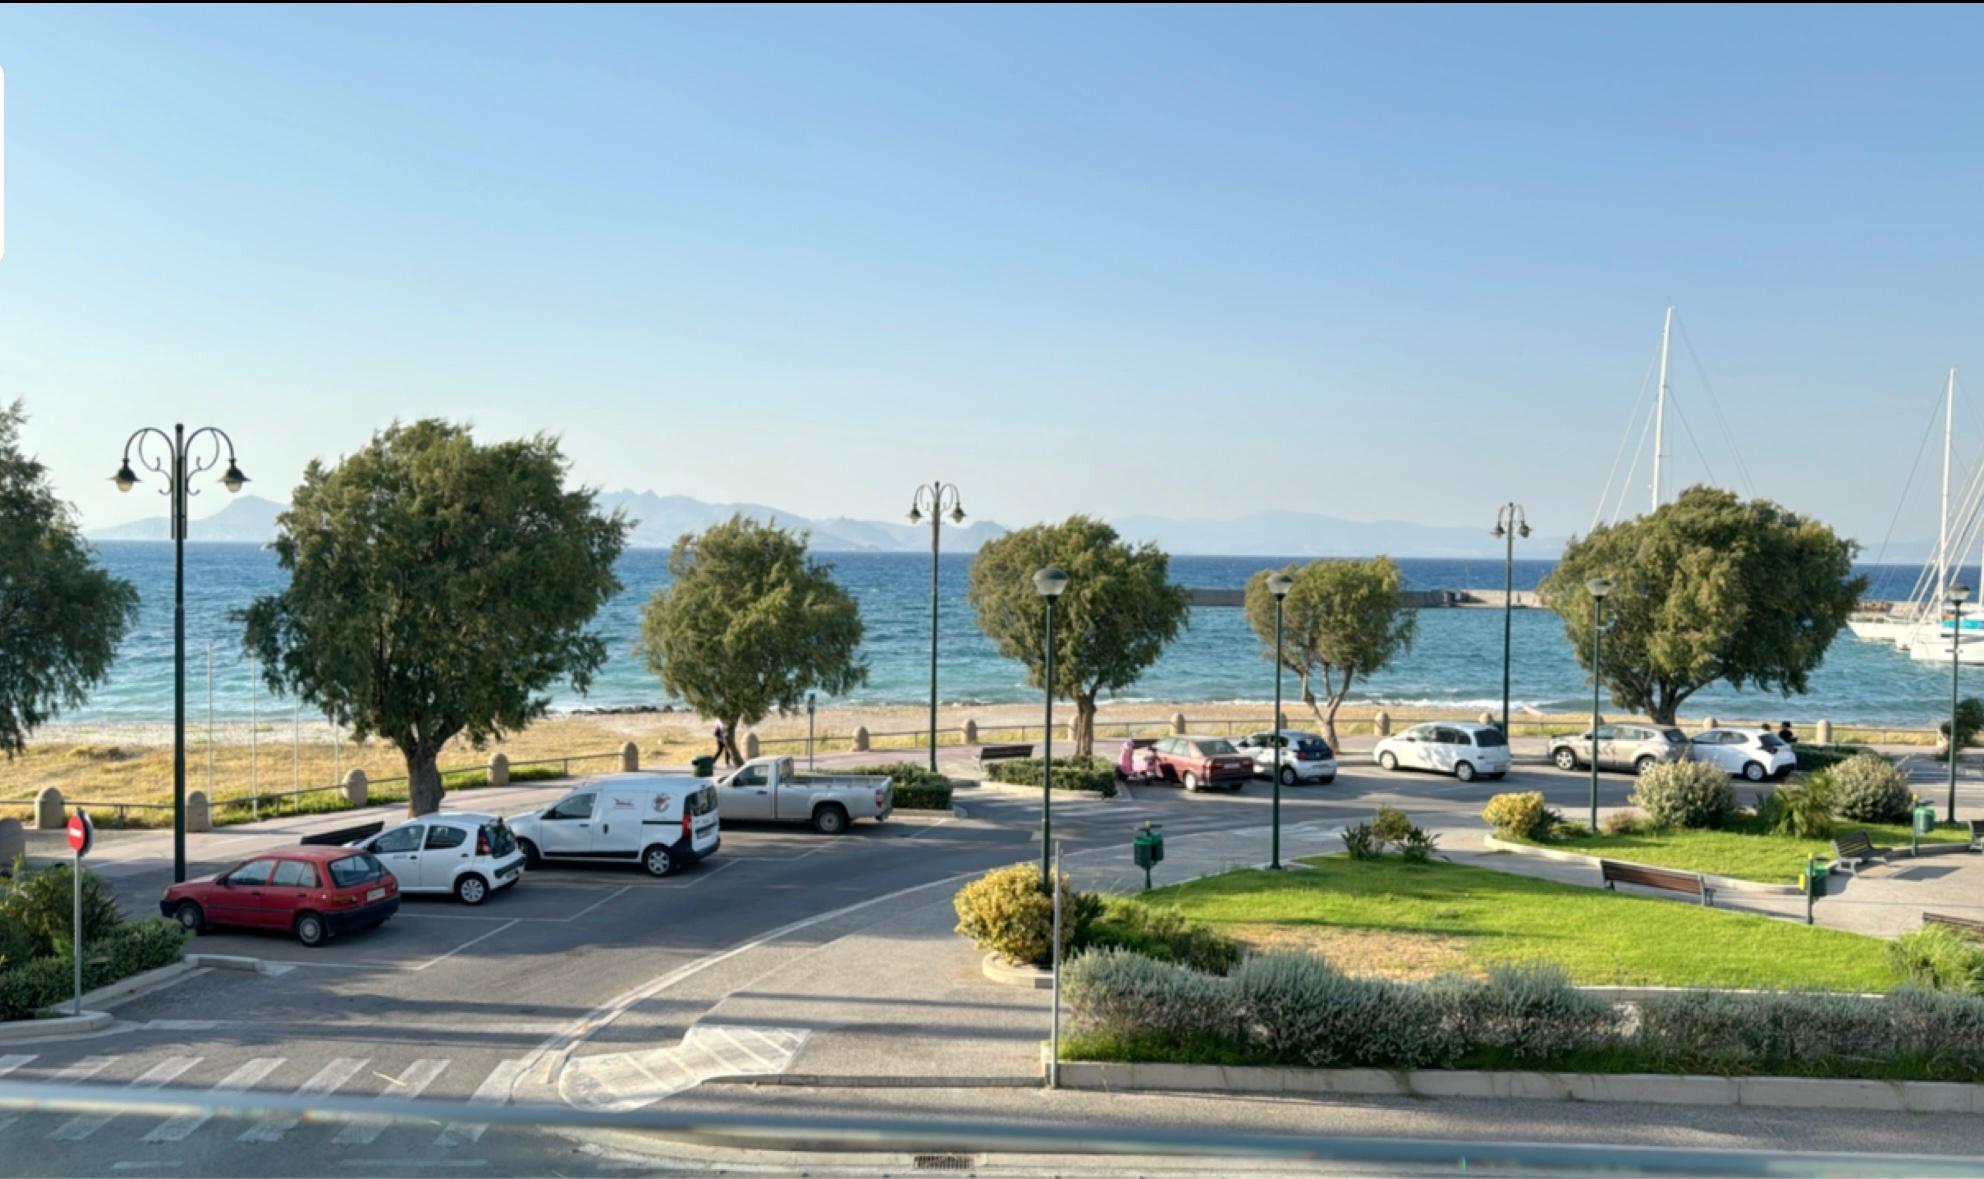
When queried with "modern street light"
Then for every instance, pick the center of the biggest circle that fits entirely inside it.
(1279, 584)
(179, 470)
(934, 501)
(1958, 595)
(1598, 587)
(1049, 582)
(1510, 522)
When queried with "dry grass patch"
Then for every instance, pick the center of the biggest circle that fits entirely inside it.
(1367, 953)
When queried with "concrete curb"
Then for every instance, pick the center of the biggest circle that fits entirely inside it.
(65, 1025)
(1001, 971)
(138, 984)
(1643, 1088)
(852, 1081)
(1718, 883)
(227, 962)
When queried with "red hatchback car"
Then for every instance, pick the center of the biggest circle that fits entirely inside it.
(312, 892)
(1200, 762)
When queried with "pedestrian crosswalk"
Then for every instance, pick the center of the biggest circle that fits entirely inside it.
(387, 1080)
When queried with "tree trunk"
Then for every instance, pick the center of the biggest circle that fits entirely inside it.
(423, 778)
(1329, 725)
(729, 751)
(1085, 725)
(1309, 698)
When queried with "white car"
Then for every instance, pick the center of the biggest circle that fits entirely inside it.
(467, 854)
(659, 821)
(1754, 755)
(1308, 757)
(1467, 751)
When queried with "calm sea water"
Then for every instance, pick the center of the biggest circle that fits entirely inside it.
(1456, 662)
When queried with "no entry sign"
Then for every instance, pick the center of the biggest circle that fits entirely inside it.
(82, 833)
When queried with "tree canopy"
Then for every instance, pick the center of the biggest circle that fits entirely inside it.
(437, 587)
(1709, 587)
(749, 624)
(1342, 620)
(1110, 624)
(61, 616)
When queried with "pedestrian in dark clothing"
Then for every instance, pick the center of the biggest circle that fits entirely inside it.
(1785, 735)
(722, 746)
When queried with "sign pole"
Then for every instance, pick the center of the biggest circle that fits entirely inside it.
(81, 834)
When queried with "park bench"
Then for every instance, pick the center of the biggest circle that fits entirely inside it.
(1969, 927)
(1854, 848)
(1613, 872)
(1016, 752)
(1977, 835)
(344, 835)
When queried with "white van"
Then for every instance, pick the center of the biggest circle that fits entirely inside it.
(660, 821)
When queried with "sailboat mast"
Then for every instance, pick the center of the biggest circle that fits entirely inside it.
(1660, 409)
(1943, 532)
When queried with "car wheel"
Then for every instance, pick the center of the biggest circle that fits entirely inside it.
(1754, 771)
(190, 918)
(1464, 771)
(657, 861)
(1388, 760)
(1191, 781)
(1288, 775)
(1566, 758)
(532, 860)
(830, 820)
(1644, 764)
(310, 929)
(471, 889)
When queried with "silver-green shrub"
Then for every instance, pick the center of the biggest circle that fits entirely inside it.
(1298, 1007)
(1525, 1012)
(1122, 993)
(1868, 788)
(1685, 794)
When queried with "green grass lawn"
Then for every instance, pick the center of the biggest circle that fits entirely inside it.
(1365, 914)
(1741, 851)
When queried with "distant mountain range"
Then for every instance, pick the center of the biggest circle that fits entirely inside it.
(245, 519)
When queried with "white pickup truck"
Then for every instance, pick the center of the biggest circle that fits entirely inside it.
(770, 790)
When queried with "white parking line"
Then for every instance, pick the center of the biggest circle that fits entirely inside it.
(243, 1077)
(9, 1063)
(494, 1090)
(157, 1076)
(622, 891)
(465, 945)
(327, 1081)
(405, 1087)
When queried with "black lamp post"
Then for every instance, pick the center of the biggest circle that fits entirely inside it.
(1278, 584)
(1509, 524)
(179, 469)
(1598, 587)
(1958, 595)
(1049, 582)
(934, 500)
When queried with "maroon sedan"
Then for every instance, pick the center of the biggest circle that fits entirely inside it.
(1200, 762)
(311, 892)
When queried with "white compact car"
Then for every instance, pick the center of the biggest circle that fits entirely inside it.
(1754, 755)
(469, 855)
(1308, 757)
(1467, 751)
(659, 821)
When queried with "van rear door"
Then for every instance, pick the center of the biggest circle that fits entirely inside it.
(703, 820)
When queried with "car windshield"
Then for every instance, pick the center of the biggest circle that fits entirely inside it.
(355, 870)
(1769, 742)
(1215, 747)
(1675, 736)
(1490, 738)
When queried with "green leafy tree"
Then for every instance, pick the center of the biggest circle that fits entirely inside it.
(61, 616)
(749, 625)
(1342, 621)
(1707, 588)
(437, 588)
(1110, 625)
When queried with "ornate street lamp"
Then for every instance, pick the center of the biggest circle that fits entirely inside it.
(179, 467)
(1049, 582)
(935, 501)
(1598, 587)
(1278, 584)
(1510, 523)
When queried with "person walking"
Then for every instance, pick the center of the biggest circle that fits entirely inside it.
(722, 745)
(1785, 734)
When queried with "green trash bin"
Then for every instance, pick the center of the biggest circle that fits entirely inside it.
(1147, 849)
(1816, 877)
(1925, 818)
(705, 766)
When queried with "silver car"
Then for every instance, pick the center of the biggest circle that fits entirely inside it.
(1622, 747)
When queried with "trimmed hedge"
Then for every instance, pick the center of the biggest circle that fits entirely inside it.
(916, 787)
(1819, 757)
(28, 989)
(1088, 774)
(1165, 935)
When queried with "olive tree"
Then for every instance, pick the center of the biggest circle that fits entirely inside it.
(1707, 588)
(1110, 624)
(61, 616)
(749, 624)
(1341, 621)
(437, 588)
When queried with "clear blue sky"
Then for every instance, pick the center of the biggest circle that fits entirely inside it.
(1386, 263)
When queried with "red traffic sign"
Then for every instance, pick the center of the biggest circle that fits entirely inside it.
(82, 833)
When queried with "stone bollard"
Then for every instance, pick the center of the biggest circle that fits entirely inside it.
(499, 769)
(1823, 732)
(1709, 722)
(630, 758)
(1487, 718)
(1177, 724)
(971, 732)
(49, 813)
(861, 739)
(13, 843)
(355, 786)
(1382, 723)
(751, 747)
(198, 817)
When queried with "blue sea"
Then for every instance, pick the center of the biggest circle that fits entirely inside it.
(1456, 662)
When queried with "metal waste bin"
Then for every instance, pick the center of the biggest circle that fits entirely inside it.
(1817, 876)
(1925, 818)
(705, 766)
(1147, 849)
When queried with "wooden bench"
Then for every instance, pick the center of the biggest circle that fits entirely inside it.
(1613, 872)
(1969, 927)
(1854, 848)
(991, 753)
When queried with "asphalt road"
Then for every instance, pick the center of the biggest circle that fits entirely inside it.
(448, 1002)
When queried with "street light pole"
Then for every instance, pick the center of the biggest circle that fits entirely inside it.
(178, 468)
(935, 499)
(1958, 594)
(1278, 585)
(1598, 587)
(1049, 583)
(1510, 522)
